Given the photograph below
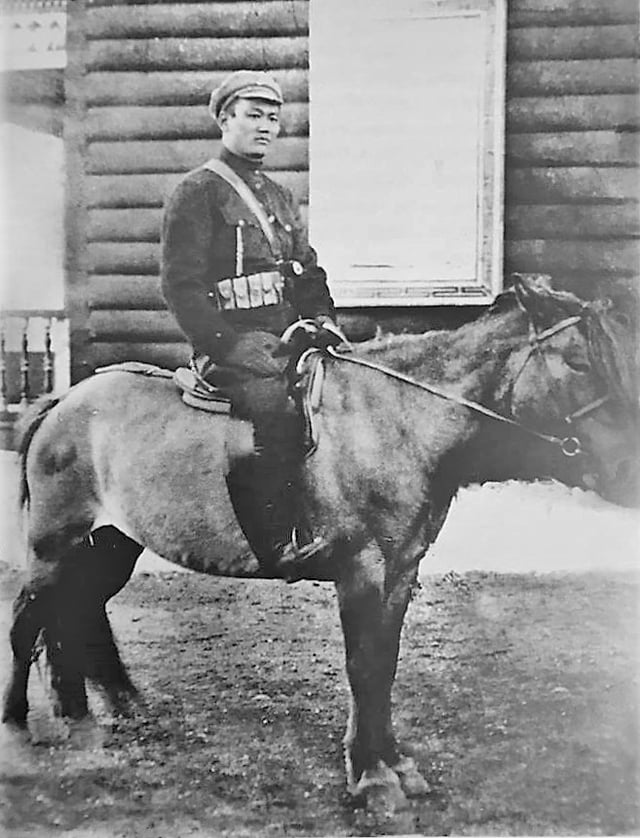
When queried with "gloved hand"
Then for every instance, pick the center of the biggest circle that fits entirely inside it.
(254, 352)
(330, 334)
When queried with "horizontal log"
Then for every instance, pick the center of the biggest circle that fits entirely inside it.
(569, 221)
(138, 258)
(130, 191)
(221, 20)
(34, 86)
(109, 291)
(574, 113)
(172, 88)
(554, 256)
(598, 148)
(142, 225)
(567, 185)
(134, 325)
(571, 12)
(133, 224)
(177, 123)
(572, 78)
(156, 156)
(198, 54)
(566, 42)
(152, 190)
(169, 355)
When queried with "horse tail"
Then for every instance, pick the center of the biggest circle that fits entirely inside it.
(28, 426)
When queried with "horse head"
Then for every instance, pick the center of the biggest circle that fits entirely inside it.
(578, 378)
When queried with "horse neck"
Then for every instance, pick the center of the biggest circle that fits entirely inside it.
(457, 443)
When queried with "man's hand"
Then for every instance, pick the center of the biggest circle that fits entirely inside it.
(254, 352)
(330, 334)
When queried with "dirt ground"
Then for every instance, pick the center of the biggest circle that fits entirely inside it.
(519, 694)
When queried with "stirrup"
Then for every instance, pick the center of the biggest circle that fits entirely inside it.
(293, 558)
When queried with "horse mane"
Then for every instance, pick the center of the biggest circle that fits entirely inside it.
(613, 349)
(27, 428)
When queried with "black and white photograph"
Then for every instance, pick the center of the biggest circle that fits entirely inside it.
(319, 418)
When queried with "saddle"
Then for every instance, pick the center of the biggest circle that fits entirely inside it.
(196, 392)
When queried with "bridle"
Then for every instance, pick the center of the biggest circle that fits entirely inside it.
(570, 445)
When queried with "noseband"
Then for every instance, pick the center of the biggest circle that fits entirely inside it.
(570, 445)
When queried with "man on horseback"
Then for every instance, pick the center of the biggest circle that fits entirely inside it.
(237, 270)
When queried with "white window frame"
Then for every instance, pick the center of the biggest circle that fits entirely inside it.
(382, 283)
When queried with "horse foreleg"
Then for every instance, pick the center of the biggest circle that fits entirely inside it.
(372, 611)
(29, 617)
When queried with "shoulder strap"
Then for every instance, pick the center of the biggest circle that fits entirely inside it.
(219, 167)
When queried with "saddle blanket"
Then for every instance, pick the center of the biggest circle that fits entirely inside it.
(210, 400)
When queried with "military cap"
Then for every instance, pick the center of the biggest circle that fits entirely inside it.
(244, 84)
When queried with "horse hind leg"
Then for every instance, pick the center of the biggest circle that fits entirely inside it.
(29, 617)
(79, 640)
(111, 563)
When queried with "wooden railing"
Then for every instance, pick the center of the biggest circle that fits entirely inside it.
(34, 360)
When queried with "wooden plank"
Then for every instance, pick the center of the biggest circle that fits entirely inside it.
(571, 221)
(565, 185)
(574, 113)
(198, 54)
(182, 155)
(174, 87)
(572, 78)
(142, 225)
(177, 123)
(571, 12)
(141, 258)
(169, 355)
(123, 191)
(565, 42)
(614, 257)
(134, 325)
(222, 20)
(109, 291)
(598, 148)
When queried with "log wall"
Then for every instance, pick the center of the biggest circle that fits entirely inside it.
(138, 83)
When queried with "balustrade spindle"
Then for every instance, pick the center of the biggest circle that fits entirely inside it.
(24, 366)
(3, 370)
(47, 362)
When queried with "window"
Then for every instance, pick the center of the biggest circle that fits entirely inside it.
(406, 149)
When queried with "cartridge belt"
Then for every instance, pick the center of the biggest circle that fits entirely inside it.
(250, 291)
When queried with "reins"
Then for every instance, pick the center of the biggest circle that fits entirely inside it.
(570, 446)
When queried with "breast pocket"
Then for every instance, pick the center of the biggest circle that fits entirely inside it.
(242, 225)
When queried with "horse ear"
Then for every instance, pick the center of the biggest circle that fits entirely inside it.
(541, 301)
(531, 290)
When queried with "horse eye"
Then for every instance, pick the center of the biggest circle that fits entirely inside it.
(622, 319)
(577, 363)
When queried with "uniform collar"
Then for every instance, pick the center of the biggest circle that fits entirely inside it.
(241, 165)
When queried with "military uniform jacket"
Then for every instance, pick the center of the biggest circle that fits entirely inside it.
(199, 250)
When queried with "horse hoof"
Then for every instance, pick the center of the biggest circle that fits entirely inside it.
(85, 734)
(381, 791)
(411, 780)
(15, 730)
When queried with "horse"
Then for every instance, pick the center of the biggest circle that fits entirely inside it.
(541, 386)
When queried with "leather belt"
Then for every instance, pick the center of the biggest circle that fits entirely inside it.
(250, 291)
